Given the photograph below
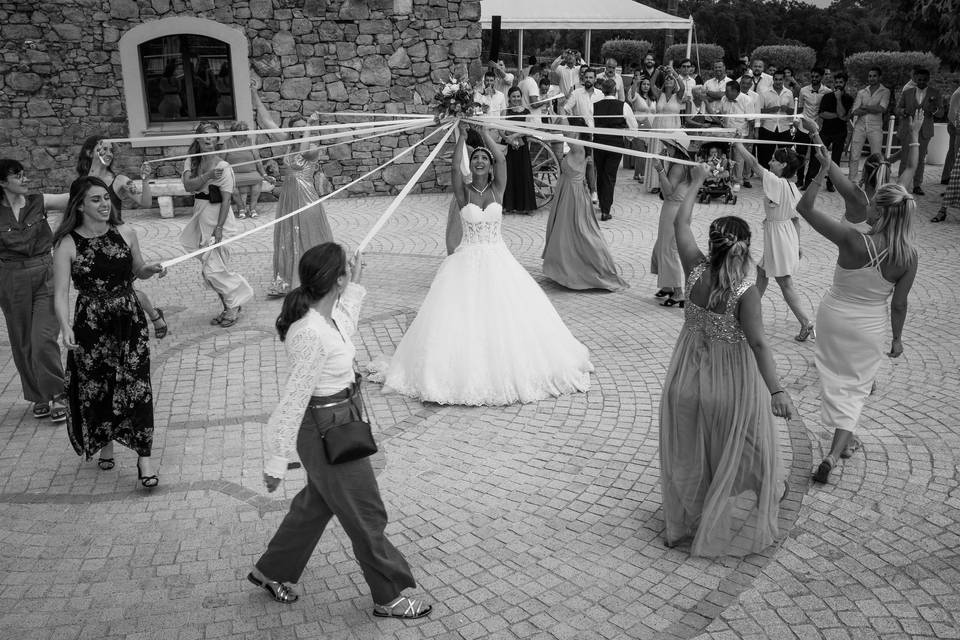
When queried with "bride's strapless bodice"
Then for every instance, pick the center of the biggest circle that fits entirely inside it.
(481, 226)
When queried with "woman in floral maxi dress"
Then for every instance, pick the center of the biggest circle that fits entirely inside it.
(109, 394)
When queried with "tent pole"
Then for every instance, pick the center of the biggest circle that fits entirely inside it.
(586, 45)
(690, 36)
(519, 51)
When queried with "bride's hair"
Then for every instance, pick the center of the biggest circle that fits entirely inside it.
(319, 268)
(729, 256)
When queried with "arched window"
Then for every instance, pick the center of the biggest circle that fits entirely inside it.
(180, 71)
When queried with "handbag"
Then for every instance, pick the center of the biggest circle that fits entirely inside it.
(216, 196)
(350, 440)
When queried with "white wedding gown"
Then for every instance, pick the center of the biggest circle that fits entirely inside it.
(486, 333)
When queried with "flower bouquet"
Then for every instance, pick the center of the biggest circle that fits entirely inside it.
(455, 99)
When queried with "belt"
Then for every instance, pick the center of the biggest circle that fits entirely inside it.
(327, 402)
(26, 263)
(201, 196)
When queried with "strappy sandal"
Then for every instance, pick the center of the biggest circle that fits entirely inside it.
(822, 474)
(217, 320)
(661, 293)
(279, 591)
(852, 447)
(149, 482)
(159, 332)
(672, 302)
(940, 217)
(230, 320)
(413, 609)
(105, 464)
(806, 332)
(41, 410)
(58, 412)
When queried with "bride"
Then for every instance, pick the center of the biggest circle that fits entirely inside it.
(486, 333)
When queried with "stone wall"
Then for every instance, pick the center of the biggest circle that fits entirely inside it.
(61, 81)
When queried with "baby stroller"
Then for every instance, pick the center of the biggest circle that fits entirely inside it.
(717, 184)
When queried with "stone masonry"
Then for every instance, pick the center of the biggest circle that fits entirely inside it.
(60, 73)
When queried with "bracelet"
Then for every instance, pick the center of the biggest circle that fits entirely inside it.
(914, 144)
(776, 392)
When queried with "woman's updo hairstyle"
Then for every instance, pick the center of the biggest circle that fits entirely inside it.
(729, 256)
(791, 162)
(897, 208)
(319, 269)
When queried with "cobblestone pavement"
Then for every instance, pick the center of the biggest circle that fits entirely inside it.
(530, 521)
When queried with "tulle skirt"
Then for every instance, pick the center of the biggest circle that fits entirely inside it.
(486, 334)
(720, 468)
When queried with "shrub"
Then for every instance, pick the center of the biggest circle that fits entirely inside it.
(625, 52)
(800, 59)
(896, 66)
(703, 55)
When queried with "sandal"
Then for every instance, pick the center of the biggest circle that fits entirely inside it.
(806, 331)
(230, 320)
(58, 412)
(661, 293)
(241, 215)
(159, 332)
(219, 318)
(105, 464)
(41, 410)
(148, 482)
(278, 290)
(940, 217)
(672, 302)
(279, 591)
(852, 447)
(822, 474)
(413, 609)
(253, 214)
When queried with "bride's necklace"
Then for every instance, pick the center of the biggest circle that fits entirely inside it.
(480, 191)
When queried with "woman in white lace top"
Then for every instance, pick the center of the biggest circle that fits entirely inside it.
(316, 324)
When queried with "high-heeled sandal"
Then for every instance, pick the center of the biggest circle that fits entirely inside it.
(661, 293)
(806, 331)
(672, 302)
(159, 332)
(279, 591)
(149, 482)
(940, 217)
(412, 608)
(218, 319)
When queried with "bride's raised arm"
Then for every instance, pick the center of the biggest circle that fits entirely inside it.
(499, 163)
(456, 175)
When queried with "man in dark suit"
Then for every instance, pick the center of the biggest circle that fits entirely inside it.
(919, 97)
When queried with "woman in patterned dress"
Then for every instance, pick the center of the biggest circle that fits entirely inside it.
(719, 462)
(302, 183)
(110, 398)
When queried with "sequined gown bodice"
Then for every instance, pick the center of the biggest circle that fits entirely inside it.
(481, 226)
(714, 326)
(298, 168)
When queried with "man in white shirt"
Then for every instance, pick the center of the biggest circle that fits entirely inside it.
(868, 109)
(716, 86)
(616, 115)
(504, 80)
(733, 106)
(610, 71)
(754, 104)
(810, 97)
(567, 70)
(580, 105)
(530, 90)
(778, 100)
(494, 102)
(687, 81)
(762, 82)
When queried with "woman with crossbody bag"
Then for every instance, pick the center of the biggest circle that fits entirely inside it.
(321, 410)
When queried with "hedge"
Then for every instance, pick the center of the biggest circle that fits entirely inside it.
(625, 52)
(896, 66)
(800, 59)
(708, 54)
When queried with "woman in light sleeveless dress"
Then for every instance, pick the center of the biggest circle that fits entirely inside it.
(721, 473)
(669, 107)
(486, 334)
(644, 103)
(665, 261)
(301, 183)
(575, 255)
(871, 285)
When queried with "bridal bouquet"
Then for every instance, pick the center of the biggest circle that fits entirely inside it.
(455, 99)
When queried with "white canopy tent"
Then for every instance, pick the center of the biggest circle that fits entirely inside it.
(579, 14)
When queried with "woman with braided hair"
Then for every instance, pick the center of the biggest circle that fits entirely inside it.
(719, 463)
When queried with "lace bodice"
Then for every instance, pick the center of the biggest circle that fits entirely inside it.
(481, 226)
(722, 327)
(321, 363)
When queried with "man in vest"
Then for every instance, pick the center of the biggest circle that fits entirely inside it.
(609, 113)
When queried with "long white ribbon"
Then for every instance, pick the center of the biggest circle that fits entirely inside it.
(198, 252)
(407, 187)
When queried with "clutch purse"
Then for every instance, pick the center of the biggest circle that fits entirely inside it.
(350, 440)
(216, 196)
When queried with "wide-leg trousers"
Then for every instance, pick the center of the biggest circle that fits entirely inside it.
(348, 491)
